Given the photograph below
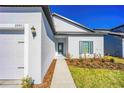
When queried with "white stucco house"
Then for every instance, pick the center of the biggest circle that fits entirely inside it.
(75, 39)
(30, 38)
(26, 42)
(113, 41)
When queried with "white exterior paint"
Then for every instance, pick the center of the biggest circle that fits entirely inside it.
(73, 44)
(64, 26)
(36, 51)
(32, 19)
(11, 56)
(16, 31)
(48, 45)
(26, 50)
(65, 45)
(39, 51)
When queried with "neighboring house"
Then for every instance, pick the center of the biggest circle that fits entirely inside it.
(113, 41)
(26, 42)
(119, 30)
(76, 40)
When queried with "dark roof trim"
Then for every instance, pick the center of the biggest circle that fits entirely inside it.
(72, 22)
(45, 8)
(109, 32)
(121, 36)
(112, 33)
(47, 12)
(116, 34)
(117, 27)
(102, 29)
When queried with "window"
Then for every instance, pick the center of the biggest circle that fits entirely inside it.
(86, 47)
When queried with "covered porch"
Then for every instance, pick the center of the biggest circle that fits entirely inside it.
(61, 45)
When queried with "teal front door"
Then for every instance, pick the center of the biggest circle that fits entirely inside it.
(60, 48)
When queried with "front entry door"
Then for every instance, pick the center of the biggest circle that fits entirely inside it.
(60, 48)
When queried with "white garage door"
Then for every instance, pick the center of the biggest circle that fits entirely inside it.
(11, 55)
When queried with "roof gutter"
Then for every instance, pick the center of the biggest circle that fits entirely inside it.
(78, 33)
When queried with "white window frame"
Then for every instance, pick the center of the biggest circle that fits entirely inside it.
(88, 50)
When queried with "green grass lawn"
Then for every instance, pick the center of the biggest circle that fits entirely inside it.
(97, 78)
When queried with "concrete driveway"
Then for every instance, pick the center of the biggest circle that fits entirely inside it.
(10, 83)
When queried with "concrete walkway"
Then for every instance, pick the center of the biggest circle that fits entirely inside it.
(10, 86)
(10, 83)
(62, 77)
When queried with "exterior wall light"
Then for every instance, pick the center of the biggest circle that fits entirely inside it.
(33, 30)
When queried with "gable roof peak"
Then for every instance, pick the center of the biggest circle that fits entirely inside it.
(71, 21)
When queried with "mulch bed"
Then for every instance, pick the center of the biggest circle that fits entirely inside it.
(48, 77)
(97, 64)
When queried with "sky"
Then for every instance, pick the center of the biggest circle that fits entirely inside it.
(92, 16)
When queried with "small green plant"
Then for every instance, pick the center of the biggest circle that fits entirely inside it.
(102, 60)
(112, 60)
(91, 59)
(27, 82)
(71, 60)
(80, 59)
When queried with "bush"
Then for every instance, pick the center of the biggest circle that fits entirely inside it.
(102, 60)
(27, 82)
(80, 59)
(71, 60)
(112, 60)
(91, 60)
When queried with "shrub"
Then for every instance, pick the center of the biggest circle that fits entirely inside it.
(102, 60)
(112, 60)
(71, 60)
(27, 82)
(91, 59)
(80, 59)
